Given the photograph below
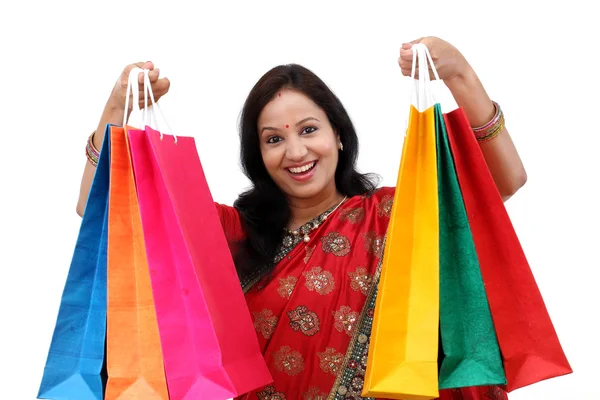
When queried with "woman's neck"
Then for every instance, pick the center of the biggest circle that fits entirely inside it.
(304, 210)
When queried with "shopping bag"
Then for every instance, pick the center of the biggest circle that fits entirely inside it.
(402, 359)
(76, 355)
(134, 355)
(210, 348)
(471, 356)
(528, 342)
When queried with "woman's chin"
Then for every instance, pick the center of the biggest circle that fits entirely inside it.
(303, 191)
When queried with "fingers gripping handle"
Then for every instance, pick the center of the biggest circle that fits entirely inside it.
(133, 89)
(140, 118)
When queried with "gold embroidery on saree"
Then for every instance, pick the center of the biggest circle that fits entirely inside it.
(352, 215)
(248, 282)
(351, 370)
(304, 320)
(320, 281)
(385, 207)
(314, 394)
(269, 393)
(288, 361)
(360, 281)
(286, 286)
(373, 243)
(336, 244)
(331, 361)
(309, 251)
(265, 322)
(345, 320)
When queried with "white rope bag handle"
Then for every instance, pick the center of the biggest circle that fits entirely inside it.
(154, 109)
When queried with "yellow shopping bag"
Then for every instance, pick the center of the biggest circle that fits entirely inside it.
(402, 361)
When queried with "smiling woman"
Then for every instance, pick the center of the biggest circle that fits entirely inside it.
(298, 149)
(302, 159)
(291, 121)
(308, 236)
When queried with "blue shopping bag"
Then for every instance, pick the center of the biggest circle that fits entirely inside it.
(76, 356)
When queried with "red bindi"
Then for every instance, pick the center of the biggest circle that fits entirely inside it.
(279, 94)
(287, 126)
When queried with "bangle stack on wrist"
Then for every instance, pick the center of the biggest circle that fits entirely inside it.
(91, 152)
(492, 128)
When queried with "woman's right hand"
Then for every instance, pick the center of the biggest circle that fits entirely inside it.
(160, 86)
(113, 113)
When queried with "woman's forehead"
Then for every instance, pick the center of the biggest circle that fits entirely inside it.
(289, 104)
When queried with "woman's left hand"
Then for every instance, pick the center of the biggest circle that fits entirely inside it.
(449, 62)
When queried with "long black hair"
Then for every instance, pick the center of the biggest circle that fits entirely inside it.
(264, 208)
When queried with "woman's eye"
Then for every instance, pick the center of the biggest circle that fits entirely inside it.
(309, 129)
(273, 139)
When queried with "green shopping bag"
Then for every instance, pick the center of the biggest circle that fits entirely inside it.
(471, 355)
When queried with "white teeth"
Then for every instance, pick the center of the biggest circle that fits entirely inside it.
(302, 169)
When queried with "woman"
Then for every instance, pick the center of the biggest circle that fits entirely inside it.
(307, 238)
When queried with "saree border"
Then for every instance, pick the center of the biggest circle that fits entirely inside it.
(350, 377)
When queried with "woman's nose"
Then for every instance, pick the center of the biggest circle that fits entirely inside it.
(296, 150)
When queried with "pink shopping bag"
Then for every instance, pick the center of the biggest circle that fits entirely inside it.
(209, 344)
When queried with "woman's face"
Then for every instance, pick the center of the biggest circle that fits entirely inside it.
(298, 145)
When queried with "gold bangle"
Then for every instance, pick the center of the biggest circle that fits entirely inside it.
(91, 143)
(492, 128)
(91, 152)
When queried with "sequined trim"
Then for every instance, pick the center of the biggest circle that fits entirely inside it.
(288, 361)
(283, 251)
(304, 320)
(265, 322)
(336, 244)
(250, 281)
(349, 382)
(320, 281)
(290, 240)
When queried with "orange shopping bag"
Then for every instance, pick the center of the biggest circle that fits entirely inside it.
(134, 356)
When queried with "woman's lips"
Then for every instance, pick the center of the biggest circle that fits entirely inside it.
(304, 175)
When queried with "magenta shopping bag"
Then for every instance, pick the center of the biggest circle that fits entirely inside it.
(208, 340)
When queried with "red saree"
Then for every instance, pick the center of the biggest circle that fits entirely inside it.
(313, 318)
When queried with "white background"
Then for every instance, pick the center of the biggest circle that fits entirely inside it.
(59, 60)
